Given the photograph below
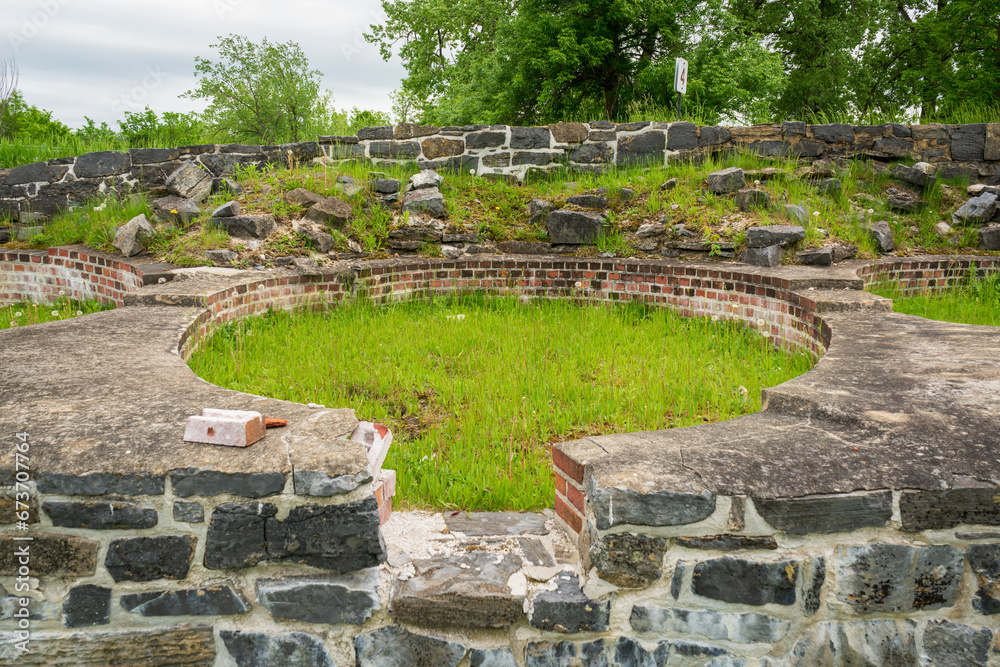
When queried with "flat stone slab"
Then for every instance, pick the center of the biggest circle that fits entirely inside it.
(476, 524)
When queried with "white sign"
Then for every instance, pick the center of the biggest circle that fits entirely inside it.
(681, 76)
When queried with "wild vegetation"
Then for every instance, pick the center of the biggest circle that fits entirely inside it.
(975, 300)
(472, 407)
(26, 313)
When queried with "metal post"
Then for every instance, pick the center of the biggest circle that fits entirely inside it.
(678, 106)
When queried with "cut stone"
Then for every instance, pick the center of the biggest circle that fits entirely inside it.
(233, 428)
(968, 142)
(739, 581)
(684, 136)
(86, 605)
(769, 256)
(989, 237)
(150, 558)
(600, 153)
(904, 200)
(100, 515)
(470, 590)
(129, 237)
(102, 163)
(338, 538)
(221, 257)
(977, 211)
(629, 560)
(191, 646)
(639, 149)
(948, 644)
(728, 542)
(677, 580)
(826, 514)
(813, 576)
(742, 628)
(288, 649)
(487, 139)
(876, 642)
(567, 609)
(897, 578)
(438, 147)
(575, 227)
(175, 209)
(650, 230)
(188, 512)
(620, 505)
(319, 483)
(199, 482)
(817, 256)
(984, 560)
(428, 200)
(595, 653)
(530, 138)
(236, 535)
(477, 524)
(246, 226)
(881, 233)
(726, 181)
(413, 131)
(190, 182)
(781, 235)
(393, 646)
(213, 600)
(99, 484)
(921, 174)
(330, 600)
(331, 212)
(569, 133)
(51, 555)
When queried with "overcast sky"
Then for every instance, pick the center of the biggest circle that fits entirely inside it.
(98, 58)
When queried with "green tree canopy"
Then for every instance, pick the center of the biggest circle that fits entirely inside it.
(263, 92)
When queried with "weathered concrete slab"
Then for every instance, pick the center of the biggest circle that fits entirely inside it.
(495, 523)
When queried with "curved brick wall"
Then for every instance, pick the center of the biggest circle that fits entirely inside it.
(46, 275)
(925, 274)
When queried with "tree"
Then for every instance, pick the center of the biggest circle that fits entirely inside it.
(264, 92)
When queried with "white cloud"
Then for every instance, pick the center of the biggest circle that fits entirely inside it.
(97, 57)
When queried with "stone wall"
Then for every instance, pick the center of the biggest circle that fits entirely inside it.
(695, 554)
(46, 275)
(502, 151)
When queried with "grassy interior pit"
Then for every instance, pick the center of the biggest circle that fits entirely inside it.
(476, 387)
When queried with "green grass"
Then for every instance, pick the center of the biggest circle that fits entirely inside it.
(974, 301)
(474, 388)
(25, 313)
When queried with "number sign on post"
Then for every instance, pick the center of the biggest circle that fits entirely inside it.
(680, 82)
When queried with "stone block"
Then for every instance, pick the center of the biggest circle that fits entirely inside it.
(567, 609)
(979, 210)
(331, 600)
(897, 147)
(920, 174)
(428, 201)
(594, 653)
(486, 139)
(227, 210)
(200, 482)
(492, 657)
(394, 646)
(806, 148)
(629, 560)
(236, 535)
(331, 212)
(319, 483)
(413, 131)
(968, 142)
(394, 150)
(769, 256)
(339, 538)
(816, 256)
(190, 182)
(600, 153)
(904, 200)
(707, 136)
(104, 163)
(100, 515)
(51, 555)
(602, 135)
(984, 561)
(247, 226)
(472, 590)
(524, 248)
(496, 160)
(86, 605)
(531, 138)
(380, 133)
(991, 146)
(129, 237)
(989, 237)
(175, 209)
(781, 235)
(37, 172)
(875, 642)
(642, 149)
(588, 201)
(813, 578)
(684, 136)
(139, 156)
(739, 581)
(793, 128)
(726, 181)
(569, 133)
(478, 524)
(728, 542)
(99, 484)
(150, 558)
(188, 512)
(233, 428)
(881, 234)
(833, 133)
(212, 600)
(735, 627)
(897, 578)
(191, 646)
(575, 227)
(314, 234)
(619, 505)
(752, 198)
(948, 644)
(286, 649)
(826, 513)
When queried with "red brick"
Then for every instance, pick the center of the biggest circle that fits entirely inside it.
(571, 468)
(569, 515)
(576, 498)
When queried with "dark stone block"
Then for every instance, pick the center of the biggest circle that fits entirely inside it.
(105, 163)
(51, 555)
(393, 646)
(984, 559)
(152, 155)
(677, 580)
(606, 135)
(770, 148)
(346, 151)
(640, 149)
(197, 149)
(826, 514)
(288, 649)
(814, 576)
(892, 147)
(739, 581)
(931, 510)
(601, 125)
(86, 605)
(488, 139)
(236, 535)
(593, 154)
(948, 644)
(575, 227)
(100, 515)
(806, 148)
(521, 158)
(834, 133)
(331, 600)
(214, 600)
(567, 609)
(793, 128)
(394, 150)
(496, 160)
(200, 482)
(382, 133)
(629, 560)
(588, 201)
(769, 256)
(437, 147)
(530, 137)
(632, 127)
(899, 130)
(968, 142)
(591, 654)
(656, 508)
(241, 148)
(728, 542)
(684, 136)
(897, 578)
(150, 558)
(31, 173)
(744, 628)
(708, 136)
(628, 652)
(341, 538)
(188, 512)
(99, 484)
(302, 150)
